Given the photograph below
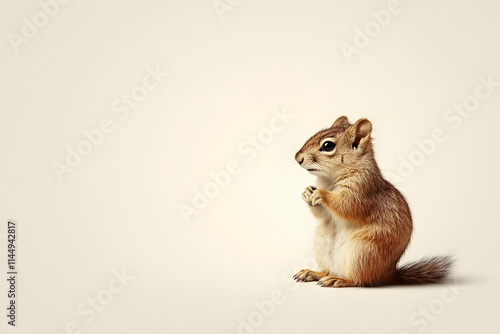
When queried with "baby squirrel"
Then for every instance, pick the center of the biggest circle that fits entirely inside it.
(366, 223)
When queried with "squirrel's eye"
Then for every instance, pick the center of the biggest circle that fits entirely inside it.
(327, 146)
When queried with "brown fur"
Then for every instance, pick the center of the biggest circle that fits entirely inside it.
(366, 223)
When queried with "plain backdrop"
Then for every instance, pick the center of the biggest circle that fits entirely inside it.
(232, 65)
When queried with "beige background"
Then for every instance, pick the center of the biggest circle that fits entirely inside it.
(119, 209)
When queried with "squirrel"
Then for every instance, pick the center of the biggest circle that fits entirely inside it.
(366, 223)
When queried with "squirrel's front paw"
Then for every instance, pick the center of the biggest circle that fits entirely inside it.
(311, 196)
(315, 198)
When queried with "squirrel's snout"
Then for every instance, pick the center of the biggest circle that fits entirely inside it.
(299, 157)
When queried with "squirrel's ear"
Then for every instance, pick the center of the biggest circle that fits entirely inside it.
(341, 121)
(360, 132)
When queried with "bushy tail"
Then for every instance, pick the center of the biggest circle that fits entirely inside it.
(428, 270)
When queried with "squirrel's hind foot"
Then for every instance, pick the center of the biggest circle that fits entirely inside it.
(308, 275)
(335, 282)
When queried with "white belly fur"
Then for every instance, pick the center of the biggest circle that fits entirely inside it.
(334, 246)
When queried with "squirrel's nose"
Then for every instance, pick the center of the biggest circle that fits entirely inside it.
(299, 157)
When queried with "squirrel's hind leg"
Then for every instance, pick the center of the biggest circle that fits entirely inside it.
(308, 275)
(335, 282)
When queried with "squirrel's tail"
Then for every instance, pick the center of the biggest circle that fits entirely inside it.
(428, 270)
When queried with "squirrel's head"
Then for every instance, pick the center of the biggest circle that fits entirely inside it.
(340, 148)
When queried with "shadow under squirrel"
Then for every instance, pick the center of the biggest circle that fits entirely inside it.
(366, 222)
